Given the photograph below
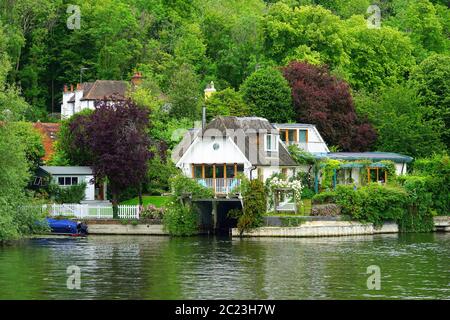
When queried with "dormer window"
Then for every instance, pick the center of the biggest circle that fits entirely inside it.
(271, 143)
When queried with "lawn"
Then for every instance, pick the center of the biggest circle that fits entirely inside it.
(158, 201)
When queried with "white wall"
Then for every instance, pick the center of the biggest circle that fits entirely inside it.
(202, 151)
(90, 187)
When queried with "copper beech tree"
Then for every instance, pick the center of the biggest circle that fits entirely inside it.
(115, 135)
(322, 99)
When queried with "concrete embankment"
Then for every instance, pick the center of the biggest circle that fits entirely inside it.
(333, 228)
(116, 227)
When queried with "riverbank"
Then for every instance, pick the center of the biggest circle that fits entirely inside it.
(314, 228)
(323, 228)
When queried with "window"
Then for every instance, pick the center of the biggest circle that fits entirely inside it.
(271, 142)
(303, 136)
(67, 181)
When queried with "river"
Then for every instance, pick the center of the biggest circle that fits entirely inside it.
(415, 266)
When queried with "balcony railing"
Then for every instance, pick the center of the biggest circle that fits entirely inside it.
(220, 185)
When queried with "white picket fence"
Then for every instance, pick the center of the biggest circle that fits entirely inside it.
(86, 211)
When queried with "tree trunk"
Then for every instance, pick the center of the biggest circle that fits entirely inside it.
(115, 204)
(141, 202)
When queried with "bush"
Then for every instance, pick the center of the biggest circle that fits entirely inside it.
(72, 194)
(152, 212)
(182, 185)
(373, 203)
(324, 197)
(255, 205)
(180, 220)
(308, 193)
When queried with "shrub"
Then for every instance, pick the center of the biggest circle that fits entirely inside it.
(152, 212)
(255, 205)
(71, 194)
(180, 220)
(324, 197)
(182, 185)
(373, 203)
(308, 193)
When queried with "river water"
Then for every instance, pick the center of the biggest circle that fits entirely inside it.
(415, 266)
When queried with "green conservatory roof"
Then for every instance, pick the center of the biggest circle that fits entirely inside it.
(373, 156)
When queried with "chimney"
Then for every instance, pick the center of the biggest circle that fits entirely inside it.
(209, 90)
(136, 79)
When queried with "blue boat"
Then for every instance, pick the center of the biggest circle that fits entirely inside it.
(67, 227)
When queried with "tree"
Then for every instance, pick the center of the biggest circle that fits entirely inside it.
(15, 220)
(116, 138)
(289, 32)
(226, 102)
(268, 95)
(184, 94)
(432, 80)
(378, 57)
(321, 99)
(31, 141)
(422, 22)
(400, 121)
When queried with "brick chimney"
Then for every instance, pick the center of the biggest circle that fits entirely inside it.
(136, 79)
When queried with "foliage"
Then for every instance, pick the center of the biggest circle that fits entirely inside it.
(32, 141)
(301, 156)
(321, 99)
(373, 203)
(226, 102)
(16, 220)
(182, 185)
(152, 212)
(114, 136)
(324, 197)
(419, 217)
(432, 80)
(436, 170)
(401, 121)
(268, 95)
(307, 193)
(180, 220)
(69, 194)
(328, 170)
(158, 175)
(255, 205)
(294, 185)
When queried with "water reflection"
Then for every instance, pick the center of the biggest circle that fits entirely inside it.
(140, 267)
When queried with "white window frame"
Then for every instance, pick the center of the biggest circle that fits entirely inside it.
(274, 139)
(68, 185)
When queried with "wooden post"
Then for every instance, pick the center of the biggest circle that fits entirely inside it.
(378, 178)
(225, 171)
(306, 136)
(385, 176)
(368, 175)
(235, 170)
(286, 134)
(203, 171)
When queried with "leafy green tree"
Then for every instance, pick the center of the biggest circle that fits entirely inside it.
(290, 32)
(423, 24)
(31, 141)
(400, 121)
(432, 80)
(15, 220)
(184, 93)
(377, 56)
(268, 95)
(226, 102)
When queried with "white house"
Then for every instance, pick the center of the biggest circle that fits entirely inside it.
(66, 176)
(87, 94)
(227, 146)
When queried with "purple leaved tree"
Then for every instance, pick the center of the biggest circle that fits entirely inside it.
(116, 137)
